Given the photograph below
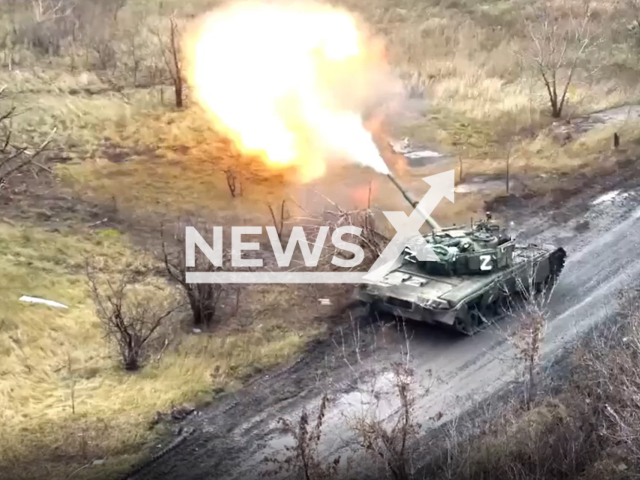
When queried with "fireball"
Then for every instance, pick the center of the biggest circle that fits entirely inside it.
(290, 82)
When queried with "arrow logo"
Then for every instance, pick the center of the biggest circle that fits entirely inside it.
(408, 228)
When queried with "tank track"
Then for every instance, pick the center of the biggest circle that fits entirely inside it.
(556, 262)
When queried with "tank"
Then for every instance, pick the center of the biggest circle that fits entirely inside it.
(462, 286)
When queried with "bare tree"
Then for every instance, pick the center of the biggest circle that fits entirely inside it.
(13, 157)
(105, 52)
(302, 458)
(98, 25)
(279, 224)
(48, 10)
(172, 57)
(531, 312)
(388, 440)
(557, 45)
(233, 182)
(129, 317)
(611, 379)
(51, 20)
(134, 56)
(203, 298)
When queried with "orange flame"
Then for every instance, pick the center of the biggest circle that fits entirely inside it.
(290, 82)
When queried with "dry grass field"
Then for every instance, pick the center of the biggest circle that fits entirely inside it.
(94, 72)
(65, 400)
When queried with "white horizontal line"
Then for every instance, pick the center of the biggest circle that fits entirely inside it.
(275, 277)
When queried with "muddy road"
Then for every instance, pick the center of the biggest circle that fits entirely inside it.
(600, 231)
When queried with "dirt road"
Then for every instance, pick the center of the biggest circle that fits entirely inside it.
(231, 438)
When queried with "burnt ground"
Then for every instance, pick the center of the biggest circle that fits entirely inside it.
(36, 198)
(229, 438)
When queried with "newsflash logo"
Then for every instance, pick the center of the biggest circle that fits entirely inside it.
(407, 233)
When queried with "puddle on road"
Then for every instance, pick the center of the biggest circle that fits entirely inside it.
(420, 156)
(417, 156)
(480, 185)
(610, 197)
(567, 131)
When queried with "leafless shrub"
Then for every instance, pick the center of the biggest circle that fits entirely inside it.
(388, 440)
(13, 157)
(104, 52)
(531, 312)
(57, 27)
(233, 182)
(98, 27)
(172, 56)
(133, 57)
(589, 430)
(302, 459)
(547, 443)
(278, 221)
(203, 298)
(45, 10)
(51, 24)
(558, 44)
(370, 239)
(130, 313)
(610, 379)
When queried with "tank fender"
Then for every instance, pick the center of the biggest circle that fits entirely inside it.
(461, 312)
(490, 296)
(450, 317)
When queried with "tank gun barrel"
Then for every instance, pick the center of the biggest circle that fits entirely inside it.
(432, 223)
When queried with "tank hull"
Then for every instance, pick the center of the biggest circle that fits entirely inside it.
(454, 301)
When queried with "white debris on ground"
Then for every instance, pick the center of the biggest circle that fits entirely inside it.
(42, 301)
(405, 148)
(324, 301)
(480, 185)
(400, 146)
(463, 188)
(422, 154)
(608, 197)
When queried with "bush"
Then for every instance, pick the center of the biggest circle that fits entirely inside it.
(131, 314)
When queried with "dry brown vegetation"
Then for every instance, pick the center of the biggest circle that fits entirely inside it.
(66, 400)
(302, 459)
(131, 313)
(390, 442)
(14, 157)
(587, 430)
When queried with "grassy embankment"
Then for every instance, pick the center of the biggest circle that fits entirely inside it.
(65, 399)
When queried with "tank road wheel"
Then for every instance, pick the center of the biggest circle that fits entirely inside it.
(463, 325)
(470, 323)
(476, 318)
